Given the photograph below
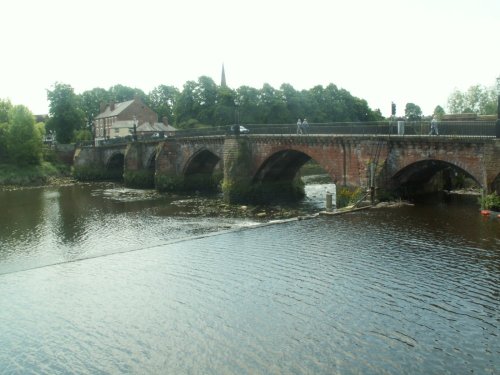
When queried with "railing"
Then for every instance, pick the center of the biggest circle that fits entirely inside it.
(454, 129)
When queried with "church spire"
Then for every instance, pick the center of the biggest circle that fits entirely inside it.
(223, 77)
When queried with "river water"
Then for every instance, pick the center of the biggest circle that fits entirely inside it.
(98, 279)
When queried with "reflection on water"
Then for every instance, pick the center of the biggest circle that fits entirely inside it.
(406, 290)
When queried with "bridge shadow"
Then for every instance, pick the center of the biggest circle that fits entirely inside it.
(203, 172)
(432, 176)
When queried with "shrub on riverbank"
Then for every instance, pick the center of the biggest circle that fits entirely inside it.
(31, 175)
(490, 202)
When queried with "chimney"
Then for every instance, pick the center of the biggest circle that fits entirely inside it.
(102, 107)
(112, 106)
(165, 120)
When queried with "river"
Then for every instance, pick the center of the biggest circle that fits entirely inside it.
(99, 279)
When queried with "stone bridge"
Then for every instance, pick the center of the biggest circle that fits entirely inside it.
(258, 166)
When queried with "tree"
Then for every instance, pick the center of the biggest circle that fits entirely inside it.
(91, 101)
(477, 99)
(438, 112)
(293, 99)
(66, 117)
(24, 140)
(272, 104)
(120, 93)
(247, 99)
(225, 111)
(162, 100)
(5, 108)
(184, 108)
(205, 97)
(413, 112)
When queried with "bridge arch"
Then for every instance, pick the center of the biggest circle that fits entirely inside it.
(114, 166)
(202, 171)
(148, 175)
(495, 185)
(279, 178)
(420, 177)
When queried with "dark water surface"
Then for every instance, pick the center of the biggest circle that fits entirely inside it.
(103, 280)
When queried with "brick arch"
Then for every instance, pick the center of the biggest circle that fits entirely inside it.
(471, 169)
(115, 166)
(111, 156)
(421, 171)
(281, 166)
(202, 160)
(199, 171)
(495, 184)
(295, 156)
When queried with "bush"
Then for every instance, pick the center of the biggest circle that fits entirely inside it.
(27, 175)
(490, 202)
(347, 196)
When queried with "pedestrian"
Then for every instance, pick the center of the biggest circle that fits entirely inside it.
(299, 126)
(305, 126)
(434, 127)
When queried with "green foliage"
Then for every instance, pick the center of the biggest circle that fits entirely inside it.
(66, 115)
(40, 127)
(24, 141)
(83, 135)
(4, 129)
(5, 108)
(490, 202)
(439, 112)
(208, 103)
(91, 100)
(169, 183)
(202, 182)
(143, 179)
(413, 112)
(204, 102)
(120, 93)
(27, 175)
(477, 99)
(163, 100)
(347, 196)
(91, 173)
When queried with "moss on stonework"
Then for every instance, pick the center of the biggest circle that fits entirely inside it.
(96, 173)
(139, 179)
(169, 183)
(276, 191)
(202, 182)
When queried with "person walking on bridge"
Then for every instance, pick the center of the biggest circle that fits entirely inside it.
(305, 126)
(299, 126)
(434, 127)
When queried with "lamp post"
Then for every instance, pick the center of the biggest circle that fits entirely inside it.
(134, 135)
(92, 129)
(497, 125)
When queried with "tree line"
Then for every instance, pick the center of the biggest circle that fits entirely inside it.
(203, 103)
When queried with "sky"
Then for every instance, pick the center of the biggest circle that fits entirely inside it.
(382, 51)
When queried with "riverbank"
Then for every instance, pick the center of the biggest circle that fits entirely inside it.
(45, 174)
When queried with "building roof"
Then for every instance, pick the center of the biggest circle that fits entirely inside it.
(156, 127)
(119, 107)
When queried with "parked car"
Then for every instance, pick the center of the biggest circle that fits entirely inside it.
(159, 135)
(238, 129)
(244, 130)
